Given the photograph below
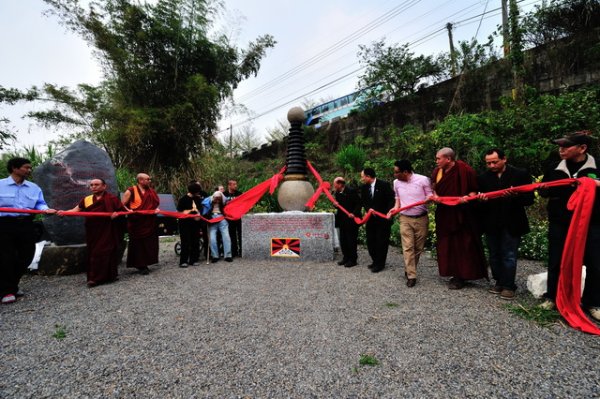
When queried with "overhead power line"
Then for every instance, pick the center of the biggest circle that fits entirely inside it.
(466, 21)
(336, 46)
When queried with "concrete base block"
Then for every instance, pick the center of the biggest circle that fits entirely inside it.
(288, 236)
(537, 283)
(61, 260)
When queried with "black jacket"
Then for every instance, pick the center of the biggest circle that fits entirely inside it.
(506, 212)
(350, 201)
(383, 199)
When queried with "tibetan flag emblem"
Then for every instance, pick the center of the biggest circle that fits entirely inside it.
(285, 247)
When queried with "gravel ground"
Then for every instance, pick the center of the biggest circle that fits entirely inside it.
(284, 329)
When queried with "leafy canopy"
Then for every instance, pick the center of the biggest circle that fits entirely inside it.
(395, 69)
(165, 79)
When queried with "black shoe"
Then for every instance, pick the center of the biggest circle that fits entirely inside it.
(183, 265)
(377, 269)
(371, 266)
(411, 282)
(145, 271)
(228, 259)
(342, 262)
(350, 264)
(214, 260)
(456, 283)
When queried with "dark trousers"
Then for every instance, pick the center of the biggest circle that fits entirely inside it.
(348, 241)
(503, 249)
(189, 233)
(235, 234)
(378, 240)
(17, 248)
(557, 234)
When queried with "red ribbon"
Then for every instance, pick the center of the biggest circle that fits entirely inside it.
(569, 287)
(581, 203)
(568, 294)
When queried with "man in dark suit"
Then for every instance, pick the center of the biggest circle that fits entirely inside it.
(504, 219)
(348, 199)
(377, 195)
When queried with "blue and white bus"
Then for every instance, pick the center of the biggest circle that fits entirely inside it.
(338, 108)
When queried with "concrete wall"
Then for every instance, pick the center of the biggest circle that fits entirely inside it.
(565, 65)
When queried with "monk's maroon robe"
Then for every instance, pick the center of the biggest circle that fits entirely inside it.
(459, 248)
(143, 237)
(103, 238)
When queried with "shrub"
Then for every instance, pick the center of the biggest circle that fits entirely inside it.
(351, 158)
(535, 244)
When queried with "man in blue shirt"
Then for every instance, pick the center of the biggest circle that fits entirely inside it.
(17, 237)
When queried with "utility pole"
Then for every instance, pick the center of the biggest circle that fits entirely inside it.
(516, 51)
(453, 66)
(231, 141)
(505, 28)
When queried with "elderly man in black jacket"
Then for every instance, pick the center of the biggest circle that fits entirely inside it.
(504, 219)
(575, 162)
(377, 195)
(348, 199)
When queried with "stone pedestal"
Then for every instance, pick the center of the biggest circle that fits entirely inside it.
(288, 236)
(61, 260)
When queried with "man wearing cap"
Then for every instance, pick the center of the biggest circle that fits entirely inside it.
(504, 220)
(411, 188)
(575, 162)
(17, 242)
(348, 199)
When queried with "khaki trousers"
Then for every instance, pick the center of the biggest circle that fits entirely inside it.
(413, 232)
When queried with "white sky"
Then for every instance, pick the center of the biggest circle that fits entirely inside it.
(36, 49)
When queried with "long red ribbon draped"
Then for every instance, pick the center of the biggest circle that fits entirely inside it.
(233, 211)
(239, 206)
(569, 283)
(569, 287)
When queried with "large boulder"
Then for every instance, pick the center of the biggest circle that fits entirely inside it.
(64, 179)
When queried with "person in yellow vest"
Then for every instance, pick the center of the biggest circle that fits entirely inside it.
(143, 236)
(103, 234)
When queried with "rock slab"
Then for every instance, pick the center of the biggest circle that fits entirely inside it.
(64, 179)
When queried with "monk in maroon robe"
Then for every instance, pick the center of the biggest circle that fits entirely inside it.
(143, 236)
(103, 235)
(459, 248)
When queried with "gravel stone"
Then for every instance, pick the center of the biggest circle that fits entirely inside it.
(284, 329)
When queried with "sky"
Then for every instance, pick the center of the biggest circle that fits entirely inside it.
(315, 58)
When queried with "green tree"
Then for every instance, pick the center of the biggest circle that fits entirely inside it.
(559, 19)
(396, 70)
(471, 55)
(244, 139)
(165, 79)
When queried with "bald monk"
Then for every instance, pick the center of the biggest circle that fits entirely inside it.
(103, 235)
(143, 237)
(459, 248)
